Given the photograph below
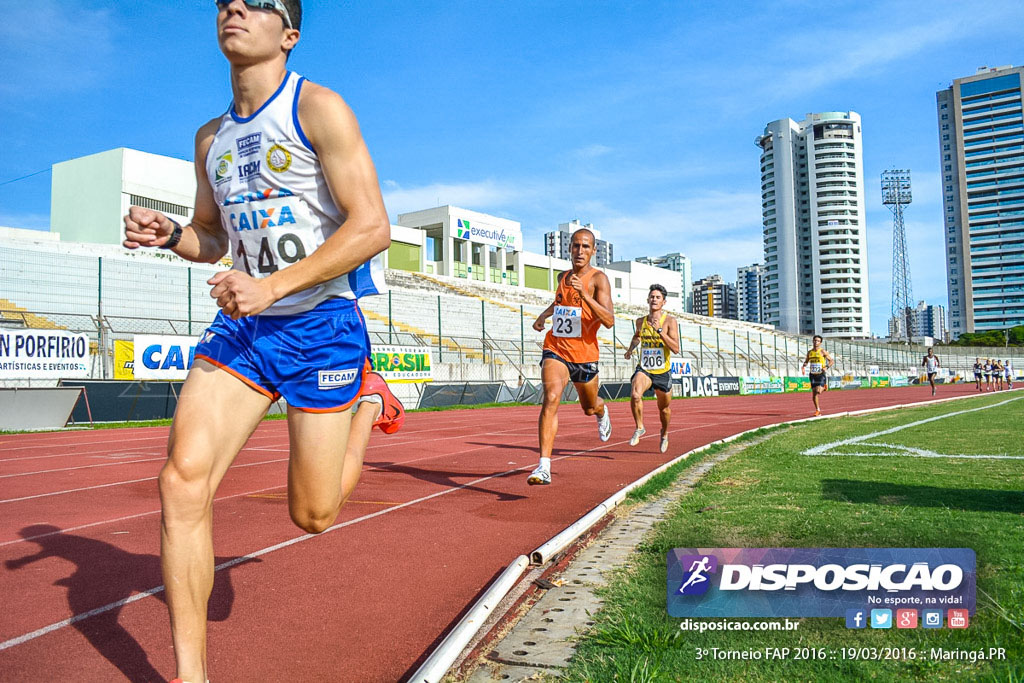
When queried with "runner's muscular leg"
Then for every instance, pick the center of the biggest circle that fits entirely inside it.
(590, 401)
(216, 413)
(326, 462)
(554, 376)
(641, 383)
(664, 409)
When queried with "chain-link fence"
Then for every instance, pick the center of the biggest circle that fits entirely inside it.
(473, 338)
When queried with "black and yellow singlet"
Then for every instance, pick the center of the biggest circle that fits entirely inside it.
(654, 355)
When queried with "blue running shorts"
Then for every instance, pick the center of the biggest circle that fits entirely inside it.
(314, 359)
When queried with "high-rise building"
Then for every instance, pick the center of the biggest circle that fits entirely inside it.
(556, 243)
(928, 321)
(714, 297)
(981, 138)
(681, 264)
(749, 293)
(815, 238)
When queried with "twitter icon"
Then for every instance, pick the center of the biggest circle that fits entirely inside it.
(881, 618)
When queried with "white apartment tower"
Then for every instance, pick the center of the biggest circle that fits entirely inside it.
(812, 204)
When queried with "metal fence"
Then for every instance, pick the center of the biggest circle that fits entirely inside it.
(472, 338)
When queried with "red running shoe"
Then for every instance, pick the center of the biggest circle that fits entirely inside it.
(392, 414)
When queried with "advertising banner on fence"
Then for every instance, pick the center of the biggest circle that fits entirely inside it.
(681, 368)
(760, 385)
(878, 382)
(43, 354)
(709, 386)
(797, 384)
(162, 356)
(819, 582)
(899, 381)
(402, 363)
(124, 359)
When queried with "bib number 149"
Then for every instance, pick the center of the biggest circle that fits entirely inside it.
(270, 253)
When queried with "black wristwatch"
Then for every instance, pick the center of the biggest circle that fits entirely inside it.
(175, 237)
(659, 330)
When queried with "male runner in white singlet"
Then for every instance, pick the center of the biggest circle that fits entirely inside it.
(931, 366)
(285, 182)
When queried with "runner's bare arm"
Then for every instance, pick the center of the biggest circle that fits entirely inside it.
(334, 133)
(636, 338)
(203, 240)
(600, 300)
(670, 334)
(538, 324)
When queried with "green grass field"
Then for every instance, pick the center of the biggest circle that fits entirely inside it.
(772, 495)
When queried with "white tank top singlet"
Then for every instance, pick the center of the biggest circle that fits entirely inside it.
(274, 201)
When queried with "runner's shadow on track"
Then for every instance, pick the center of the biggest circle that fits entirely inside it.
(104, 576)
(512, 447)
(904, 495)
(450, 479)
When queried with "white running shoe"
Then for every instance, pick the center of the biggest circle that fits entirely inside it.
(604, 426)
(635, 439)
(664, 443)
(541, 475)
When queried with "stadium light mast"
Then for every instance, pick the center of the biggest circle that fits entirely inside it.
(896, 195)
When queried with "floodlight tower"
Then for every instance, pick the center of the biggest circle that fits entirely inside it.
(896, 195)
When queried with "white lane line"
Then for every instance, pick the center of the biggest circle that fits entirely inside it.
(122, 483)
(238, 560)
(127, 517)
(825, 449)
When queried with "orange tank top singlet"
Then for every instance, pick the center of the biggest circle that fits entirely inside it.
(573, 333)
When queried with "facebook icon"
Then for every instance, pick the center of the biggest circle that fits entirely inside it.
(856, 618)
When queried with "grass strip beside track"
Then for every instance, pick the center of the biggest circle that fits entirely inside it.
(771, 495)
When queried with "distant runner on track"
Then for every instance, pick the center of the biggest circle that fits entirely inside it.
(583, 302)
(816, 364)
(931, 366)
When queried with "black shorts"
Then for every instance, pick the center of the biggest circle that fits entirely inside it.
(579, 373)
(661, 381)
(931, 375)
(818, 380)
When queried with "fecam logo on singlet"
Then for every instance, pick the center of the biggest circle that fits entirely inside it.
(248, 145)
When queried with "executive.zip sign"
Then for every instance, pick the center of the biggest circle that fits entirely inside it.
(816, 582)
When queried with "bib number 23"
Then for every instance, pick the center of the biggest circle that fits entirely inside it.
(567, 322)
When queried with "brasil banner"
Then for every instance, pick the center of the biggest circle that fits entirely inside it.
(402, 363)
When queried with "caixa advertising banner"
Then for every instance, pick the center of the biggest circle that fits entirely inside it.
(817, 582)
(162, 356)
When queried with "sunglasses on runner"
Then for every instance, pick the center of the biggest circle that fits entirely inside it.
(270, 5)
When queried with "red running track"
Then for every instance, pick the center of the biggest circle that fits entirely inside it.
(442, 508)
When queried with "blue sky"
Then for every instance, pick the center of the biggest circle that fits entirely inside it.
(637, 116)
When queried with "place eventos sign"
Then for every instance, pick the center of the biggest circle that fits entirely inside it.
(709, 386)
(43, 354)
(816, 582)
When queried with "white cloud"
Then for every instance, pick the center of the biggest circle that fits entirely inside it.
(27, 221)
(485, 195)
(54, 47)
